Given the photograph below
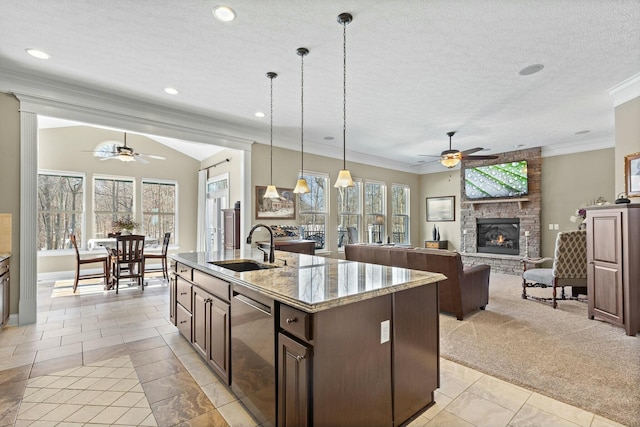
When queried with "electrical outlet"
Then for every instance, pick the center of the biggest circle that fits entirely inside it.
(385, 329)
(556, 226)
(550, 226)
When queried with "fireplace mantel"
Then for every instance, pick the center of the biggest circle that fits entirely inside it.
(519, 200)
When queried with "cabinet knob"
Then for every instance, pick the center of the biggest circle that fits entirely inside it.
(292, 320)
(299, 358)
(183, 321)
(183, 293)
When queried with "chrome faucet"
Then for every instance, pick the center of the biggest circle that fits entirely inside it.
(272, 254)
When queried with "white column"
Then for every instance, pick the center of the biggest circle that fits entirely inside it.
(28, 218)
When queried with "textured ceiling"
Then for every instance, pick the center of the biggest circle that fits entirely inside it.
(416, 69)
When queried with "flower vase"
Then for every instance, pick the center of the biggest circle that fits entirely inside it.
(125, 232)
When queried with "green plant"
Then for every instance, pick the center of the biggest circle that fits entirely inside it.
(124, 223)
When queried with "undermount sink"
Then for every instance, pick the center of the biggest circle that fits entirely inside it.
(241, 265)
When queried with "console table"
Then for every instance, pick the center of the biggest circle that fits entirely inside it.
(436, 244)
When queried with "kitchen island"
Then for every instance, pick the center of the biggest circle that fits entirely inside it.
(310, 340)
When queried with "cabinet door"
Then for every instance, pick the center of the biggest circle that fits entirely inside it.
(199, 310)
(604, 267)
(293, 382)
(2, 300)
(219, 337)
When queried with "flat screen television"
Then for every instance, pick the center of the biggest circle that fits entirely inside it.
(502, 180)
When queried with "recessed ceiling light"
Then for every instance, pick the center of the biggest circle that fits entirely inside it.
(37, 53)
(259, 114)
(582, 132)
(171, 90)
(329, 138)
(224, 13)
(531, 69)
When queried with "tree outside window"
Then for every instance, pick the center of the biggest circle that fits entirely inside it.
(349, 214)
(313, 209)
(60, 209)
(159, 209)
(400, 213)
(374, 209)
(113, 199)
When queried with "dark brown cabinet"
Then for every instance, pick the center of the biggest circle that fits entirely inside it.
(5, 284)
(199, 307)
(613, 270)
(388, 355)
(294, 360)
(211, 330)
(231, 228)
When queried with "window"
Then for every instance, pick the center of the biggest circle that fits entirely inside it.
(60, 209)
(399, 213)
(112, 198)
(349, 214)
(374, 209)
(313, 208)
(159, 209)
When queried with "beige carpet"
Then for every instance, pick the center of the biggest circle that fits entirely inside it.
(559, 353)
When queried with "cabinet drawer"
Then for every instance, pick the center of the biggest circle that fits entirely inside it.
(295, 322)
(184, 271)
(4, 266)
(217, 287)
(183, 294)
(183, 322)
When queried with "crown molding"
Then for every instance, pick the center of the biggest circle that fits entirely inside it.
(577, 147)
(626, 90)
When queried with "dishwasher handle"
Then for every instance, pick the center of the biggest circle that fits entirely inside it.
(253, 303)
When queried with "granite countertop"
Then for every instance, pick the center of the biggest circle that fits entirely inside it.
(311, 283)
(4, 256)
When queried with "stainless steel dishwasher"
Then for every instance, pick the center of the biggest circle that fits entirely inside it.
(253, 372)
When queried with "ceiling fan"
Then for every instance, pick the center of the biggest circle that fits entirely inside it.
(451, 157)
(124, 153)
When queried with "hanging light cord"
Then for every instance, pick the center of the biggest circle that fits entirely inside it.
(344, 95)
(302, 115)
(271, 127)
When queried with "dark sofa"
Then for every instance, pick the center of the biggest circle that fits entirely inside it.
(466, 288)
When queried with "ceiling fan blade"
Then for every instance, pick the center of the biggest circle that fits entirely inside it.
(488, 157)
(430, 155)
(141, 160)
(471, 151)
(151, 156)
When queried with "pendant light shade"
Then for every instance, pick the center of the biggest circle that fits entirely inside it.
(344, 176)
(301, 185)
(272, 192)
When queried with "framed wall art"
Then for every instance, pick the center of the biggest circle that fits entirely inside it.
(283, 207)
(632, 174)
(441, 208)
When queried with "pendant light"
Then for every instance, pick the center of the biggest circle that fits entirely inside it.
(301, 185)
(272, 192)
(344, 176)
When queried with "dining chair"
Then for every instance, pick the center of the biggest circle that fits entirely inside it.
(162, 256)
(127, 260)
(94, 259)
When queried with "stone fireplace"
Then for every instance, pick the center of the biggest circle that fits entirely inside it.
(518, 220)
(498, 235)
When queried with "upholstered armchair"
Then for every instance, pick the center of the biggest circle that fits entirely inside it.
(569, 269)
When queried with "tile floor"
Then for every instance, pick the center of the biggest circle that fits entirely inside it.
(97, 359)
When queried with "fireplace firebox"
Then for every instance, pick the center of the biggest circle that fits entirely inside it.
(498, 235)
